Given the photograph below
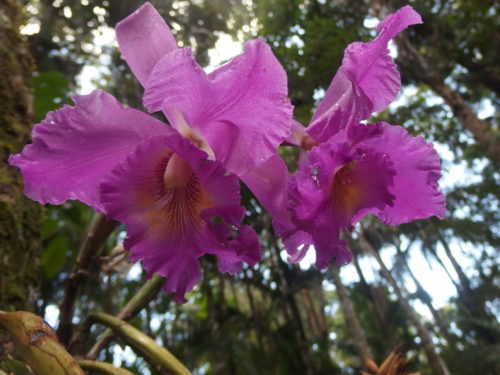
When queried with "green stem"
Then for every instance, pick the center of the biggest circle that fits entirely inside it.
(141, 343)
(147, 292)
(102, 367)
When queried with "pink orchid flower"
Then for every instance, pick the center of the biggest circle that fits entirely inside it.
(175, 187)
(354, 169)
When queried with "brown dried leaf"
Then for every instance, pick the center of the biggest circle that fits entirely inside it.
(394, 364)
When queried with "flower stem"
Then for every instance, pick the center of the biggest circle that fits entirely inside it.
(147, 292)
(102, 367)
(143, 344)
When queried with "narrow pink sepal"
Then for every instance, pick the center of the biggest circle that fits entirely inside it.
(345, 104)
(269, 183)
(144, 38)
(369, 64)
(366, 82)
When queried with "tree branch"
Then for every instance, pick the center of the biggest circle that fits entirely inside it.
(103, 368)
(143, 344)
(140, 300)
(98, 231)
(414, 62)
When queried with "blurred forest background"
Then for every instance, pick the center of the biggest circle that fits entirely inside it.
(430, 285)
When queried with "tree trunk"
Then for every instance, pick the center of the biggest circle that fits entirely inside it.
(380, 304)
(353, 324)
(464, 280)
(486, 74)
(470, 300)
(434, 358)
(97, 232)
(415, 63)
(296, 318)
(20, 218)
(427, 300)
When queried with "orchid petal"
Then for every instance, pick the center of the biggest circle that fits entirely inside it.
(344, 105)
(330, 247)
(297, 244)
(335, 186)
(297, 134)
(241, 110)
(169, 228)
(144, 38)
(418, 169)
(268, 182)
(244, 248)
(366, 82)
(75, 147)
(337, 183)
(369, 64)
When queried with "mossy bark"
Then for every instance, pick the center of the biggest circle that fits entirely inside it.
(20, 218)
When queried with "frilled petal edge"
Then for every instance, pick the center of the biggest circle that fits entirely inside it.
(75, 147)
(335, 186)
(241, 109)
(171, 223)
(417, 171)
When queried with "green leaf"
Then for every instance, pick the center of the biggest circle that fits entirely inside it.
(51, 91)
(54, 256)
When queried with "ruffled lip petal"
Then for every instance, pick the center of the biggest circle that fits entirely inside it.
(335, 186)
(300, 254)
(170, 227)
(144, 38)
(338, 183)
(182, 272)
(241, 110)
(417, 171)
(330, 247)
(380, 168)
(74, 148)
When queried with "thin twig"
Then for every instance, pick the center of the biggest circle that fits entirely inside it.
(103, 368)
(140, 300)
(144, 345)
(98, 231)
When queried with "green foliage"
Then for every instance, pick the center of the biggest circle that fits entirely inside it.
(54, 259)
(51, 90)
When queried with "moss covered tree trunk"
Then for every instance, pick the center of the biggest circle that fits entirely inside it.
(20, 218)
